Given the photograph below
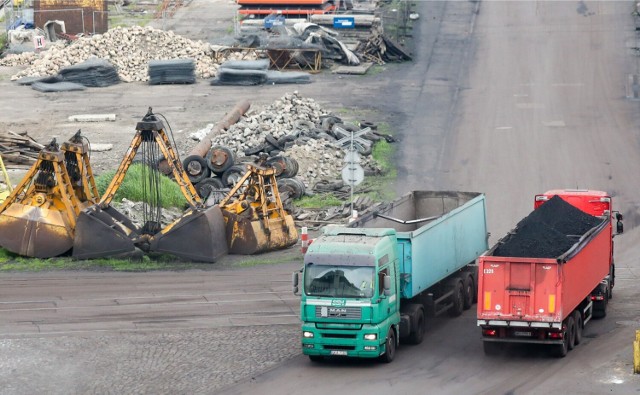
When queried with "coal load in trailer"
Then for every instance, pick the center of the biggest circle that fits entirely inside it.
(547, 232)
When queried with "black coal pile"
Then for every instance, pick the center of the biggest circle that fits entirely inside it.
(563, 217)
(93, 72)
(174, 71)
(547, 232)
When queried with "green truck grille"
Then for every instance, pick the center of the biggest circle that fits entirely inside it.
(347, 313)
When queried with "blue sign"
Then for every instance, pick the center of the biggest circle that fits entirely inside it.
(273, 20)
(344, 22)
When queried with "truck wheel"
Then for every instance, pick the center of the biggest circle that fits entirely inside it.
(491, 348)
(457, 298)
(612, 279)
(561, 350)
(390, 347)
(571, 332)
(474, 276)
(577, 317)
(196, 168)
(600, 307)
(417, 335)
(316, 358)
(469, 291)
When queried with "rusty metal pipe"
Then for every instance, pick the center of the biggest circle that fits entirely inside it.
(204, 146)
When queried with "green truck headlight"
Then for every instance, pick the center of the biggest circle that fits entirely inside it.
(308, 335)
(370, 348)
(371, 336)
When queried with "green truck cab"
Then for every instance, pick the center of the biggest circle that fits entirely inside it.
(366, 287)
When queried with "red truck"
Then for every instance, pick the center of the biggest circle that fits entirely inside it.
(551, 274)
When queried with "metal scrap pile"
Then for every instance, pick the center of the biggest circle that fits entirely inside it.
(128, 49)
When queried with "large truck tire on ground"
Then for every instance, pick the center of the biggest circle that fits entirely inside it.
(383, 279)
(548, 277)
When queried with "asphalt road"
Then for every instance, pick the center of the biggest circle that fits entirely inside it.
(535, 100)
(506, 98)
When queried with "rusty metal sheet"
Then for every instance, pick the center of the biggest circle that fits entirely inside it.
(79, 16)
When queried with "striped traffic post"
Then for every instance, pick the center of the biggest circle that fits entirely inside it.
(304, 238)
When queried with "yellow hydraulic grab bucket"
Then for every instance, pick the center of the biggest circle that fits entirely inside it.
(38, 218)
(255, 218)
(7, 191)
(198, 235)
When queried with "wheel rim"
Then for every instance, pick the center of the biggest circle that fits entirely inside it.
(391, 345)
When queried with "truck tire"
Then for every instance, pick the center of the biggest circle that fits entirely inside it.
(561, 350)
(577, 317)
(389, 347)
(233, 174)
(457, 298)
(417, 334)
(612, 280)
(469, 291)
(571, 332)
(219, 159)
(196, 168)
(211, 190)
(491, 348)
(600, 306)
(474, 275)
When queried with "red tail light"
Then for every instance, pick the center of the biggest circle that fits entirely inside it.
(555, 335)
(489, 332)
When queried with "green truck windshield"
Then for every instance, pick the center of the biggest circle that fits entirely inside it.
(339, 281)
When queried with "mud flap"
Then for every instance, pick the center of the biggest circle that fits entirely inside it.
(34, 231)
(103, 232)
(199, 235)
(247, 237)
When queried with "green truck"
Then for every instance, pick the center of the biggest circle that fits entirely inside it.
(366, 287)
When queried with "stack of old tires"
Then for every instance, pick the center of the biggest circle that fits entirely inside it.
(214, 175)
(211, 175)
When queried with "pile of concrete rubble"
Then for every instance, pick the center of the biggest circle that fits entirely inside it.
(298, 128)
(128, 49)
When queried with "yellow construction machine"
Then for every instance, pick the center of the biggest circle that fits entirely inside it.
(38, 218)
(5, 192)
(253, 213)
(197, 235)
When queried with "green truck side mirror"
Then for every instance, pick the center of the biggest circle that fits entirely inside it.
(387, 285)
(294, 282)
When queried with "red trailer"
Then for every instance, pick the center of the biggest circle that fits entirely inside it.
(549, 276)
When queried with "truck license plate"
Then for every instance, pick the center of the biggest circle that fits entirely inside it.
(524, 334)
(338, 352)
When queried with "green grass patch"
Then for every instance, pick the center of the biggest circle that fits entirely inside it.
(269, 261)
(320, 200)
(5, 256)
(3, 41)
(145, 19)
(14, 263)
(384, 154)
(132, 187)
(375, 70)
(11, 262)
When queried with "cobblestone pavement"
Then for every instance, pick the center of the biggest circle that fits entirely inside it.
(169, 362)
